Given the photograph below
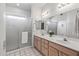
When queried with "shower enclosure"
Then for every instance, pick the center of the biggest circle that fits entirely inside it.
(17, 22)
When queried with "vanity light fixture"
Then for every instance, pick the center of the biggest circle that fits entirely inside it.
(46, 13)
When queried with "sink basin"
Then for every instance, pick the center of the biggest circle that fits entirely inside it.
(70, 42)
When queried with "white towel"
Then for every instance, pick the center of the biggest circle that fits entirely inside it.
(24, 37)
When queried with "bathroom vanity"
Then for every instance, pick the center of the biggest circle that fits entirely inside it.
(62, 24)
(51, 46)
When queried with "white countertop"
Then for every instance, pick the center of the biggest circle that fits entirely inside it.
(70, 43)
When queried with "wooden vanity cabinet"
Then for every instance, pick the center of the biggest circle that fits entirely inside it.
(48, 48)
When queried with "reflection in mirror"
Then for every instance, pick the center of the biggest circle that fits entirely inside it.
(51, 27)
(38, 25)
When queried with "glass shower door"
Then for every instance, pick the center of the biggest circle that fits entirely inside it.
(12, 39)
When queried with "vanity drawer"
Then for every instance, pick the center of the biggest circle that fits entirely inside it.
(46, 41)
(39, 38)
(54, 45)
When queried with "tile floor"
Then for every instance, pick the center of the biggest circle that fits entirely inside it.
(26, 51)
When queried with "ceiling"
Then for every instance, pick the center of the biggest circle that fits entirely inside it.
(25, 6)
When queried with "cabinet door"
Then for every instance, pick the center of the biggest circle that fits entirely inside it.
(46, 52)
(53, 52)
(42, 50)
(39, 45)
